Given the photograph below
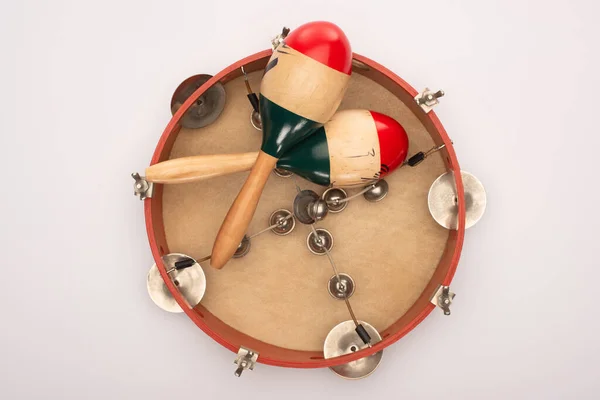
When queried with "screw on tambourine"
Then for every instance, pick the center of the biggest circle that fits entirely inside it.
(276, 41)
(246, 359)
(141, 187)
(443, 298)
(242, 366)
(427, 99)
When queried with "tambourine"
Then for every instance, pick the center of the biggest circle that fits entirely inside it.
(326, 275)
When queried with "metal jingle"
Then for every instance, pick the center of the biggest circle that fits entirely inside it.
(377, 192)
(284, 226)
(302, 202)
(282, 173)
(318, 209)
(243, 248)
(342, 340)
(140, 186)
(341, 289)
(255, 120)
(191, 283)
(443, 201)
(332, 197)
(318, 244)
(206, 109)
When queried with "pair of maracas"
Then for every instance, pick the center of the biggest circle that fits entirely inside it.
(303, 85)
(354, 148)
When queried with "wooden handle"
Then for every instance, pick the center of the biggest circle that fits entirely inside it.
(197, 168)
(241, 212)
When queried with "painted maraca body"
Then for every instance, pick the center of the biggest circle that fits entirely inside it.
(354, 148)
(303, 84)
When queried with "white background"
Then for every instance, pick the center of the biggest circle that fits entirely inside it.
(84, 91)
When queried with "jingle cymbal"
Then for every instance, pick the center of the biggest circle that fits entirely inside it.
(206, 109)
(256, 120)
(284, 220)
(343, 339)
(332, 197)
(442, 200)
(282, 173)
(243, 248)
(190, 281)
(342, 288)
(321, 243)
(377, 192)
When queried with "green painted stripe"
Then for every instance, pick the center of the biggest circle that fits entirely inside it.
(282, 128)
(309, 159)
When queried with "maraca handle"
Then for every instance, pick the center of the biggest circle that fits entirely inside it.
(241, 212)
(197, 168)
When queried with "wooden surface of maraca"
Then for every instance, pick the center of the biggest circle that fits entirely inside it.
(354, 148)
(198, 168)
(303, 85)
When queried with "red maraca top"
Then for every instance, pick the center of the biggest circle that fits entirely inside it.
(393, 142)
(323, 42)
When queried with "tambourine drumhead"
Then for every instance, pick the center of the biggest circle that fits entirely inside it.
(275, 300)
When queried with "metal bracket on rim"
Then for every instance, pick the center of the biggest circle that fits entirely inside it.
(276, 41)
(427, 99)
(443, 298)
(141, 187)
(246, 359)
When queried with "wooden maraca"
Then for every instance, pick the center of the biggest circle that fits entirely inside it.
(303, 85)
(354, 148)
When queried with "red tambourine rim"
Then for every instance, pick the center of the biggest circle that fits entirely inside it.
(172, 128)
